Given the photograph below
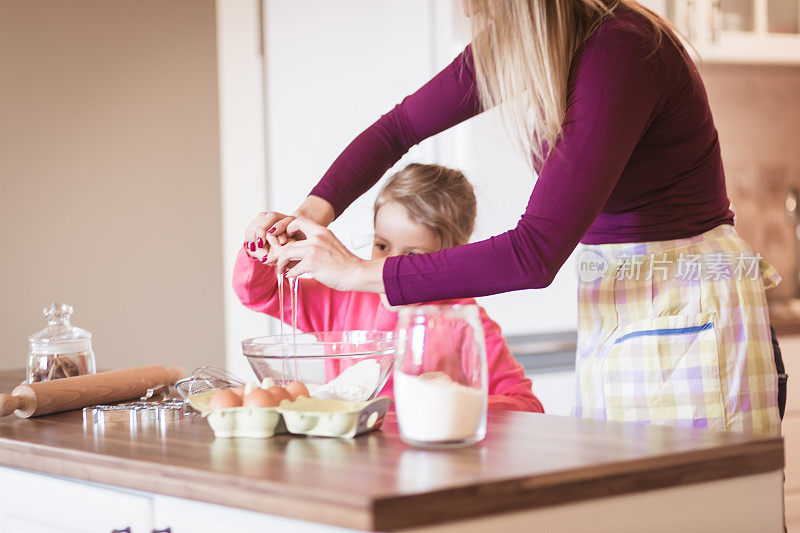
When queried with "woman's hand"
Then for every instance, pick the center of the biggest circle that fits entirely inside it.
(313, 208)
(257, 238)
(326, 259)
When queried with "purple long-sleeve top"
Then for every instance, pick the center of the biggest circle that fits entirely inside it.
(638, 160)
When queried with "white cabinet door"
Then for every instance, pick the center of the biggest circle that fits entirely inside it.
(36, 503)
(186, 516)
(753, 31)
(737, 31)
(13, 524)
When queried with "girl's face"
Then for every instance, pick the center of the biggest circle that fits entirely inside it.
(397, 234)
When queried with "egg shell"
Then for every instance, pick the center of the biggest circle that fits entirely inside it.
(239, 391)
(279, 393)
(224, 399)
(259, 398)
(250, 387)
(297, 389)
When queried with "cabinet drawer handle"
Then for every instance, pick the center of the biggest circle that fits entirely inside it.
(165, 530)
(124, 530)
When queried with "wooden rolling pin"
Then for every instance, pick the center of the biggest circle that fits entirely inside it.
(65, 394)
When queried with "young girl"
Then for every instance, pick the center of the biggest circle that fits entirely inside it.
(422, 209)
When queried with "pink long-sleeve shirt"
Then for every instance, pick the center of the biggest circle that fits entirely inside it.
(320, 308)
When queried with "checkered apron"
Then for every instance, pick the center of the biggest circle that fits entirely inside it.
(677, 332)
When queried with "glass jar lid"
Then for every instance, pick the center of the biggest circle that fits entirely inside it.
(60, 336)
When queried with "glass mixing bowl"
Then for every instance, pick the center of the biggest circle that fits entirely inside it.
(336, 365)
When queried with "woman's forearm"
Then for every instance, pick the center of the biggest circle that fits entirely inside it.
(316, 209)
(369, 277)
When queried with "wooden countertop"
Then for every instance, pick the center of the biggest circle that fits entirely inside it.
(376, 481)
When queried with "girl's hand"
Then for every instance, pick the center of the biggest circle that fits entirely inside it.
(257, 239)
(326, 259)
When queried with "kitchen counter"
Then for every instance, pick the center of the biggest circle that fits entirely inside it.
(528, 462)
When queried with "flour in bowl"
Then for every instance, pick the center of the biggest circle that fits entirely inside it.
(356, 383)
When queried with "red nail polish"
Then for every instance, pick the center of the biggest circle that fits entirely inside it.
(260, 243)
(252, 247)
(271, 231)
(264, 259)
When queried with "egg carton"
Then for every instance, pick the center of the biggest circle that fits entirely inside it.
(304, 416)
(333, 418)
(252, 422)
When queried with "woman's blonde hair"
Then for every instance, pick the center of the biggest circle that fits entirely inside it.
(523, 51)
(439, 198)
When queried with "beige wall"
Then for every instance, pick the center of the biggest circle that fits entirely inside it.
(757, 113)
(109, 165)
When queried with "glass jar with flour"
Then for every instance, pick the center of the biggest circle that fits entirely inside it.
(440, 375)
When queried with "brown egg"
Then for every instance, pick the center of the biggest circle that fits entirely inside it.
(223, 399)
(297, 389)
(279, 393)
(239, 391)
(259, 398)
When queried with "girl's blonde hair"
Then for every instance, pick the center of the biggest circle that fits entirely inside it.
(523, 51)
(439, 198)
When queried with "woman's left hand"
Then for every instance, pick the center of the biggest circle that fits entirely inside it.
(326, 259)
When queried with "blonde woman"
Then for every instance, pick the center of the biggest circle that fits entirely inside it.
(615, 119)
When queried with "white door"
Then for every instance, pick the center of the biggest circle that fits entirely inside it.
(332, 68)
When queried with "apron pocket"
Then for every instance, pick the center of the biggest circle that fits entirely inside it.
(665, 370)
